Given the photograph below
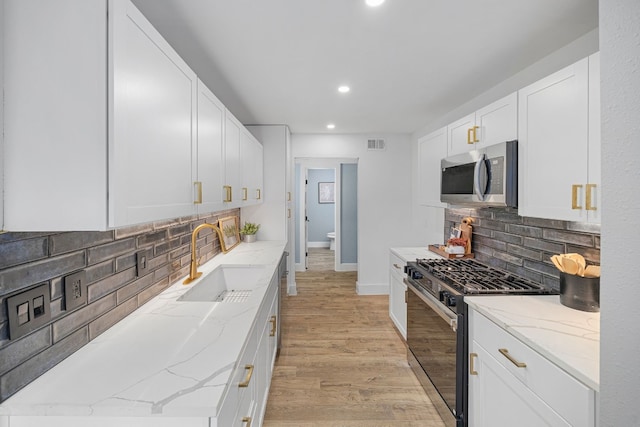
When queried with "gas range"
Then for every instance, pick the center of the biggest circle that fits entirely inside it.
(437, 329)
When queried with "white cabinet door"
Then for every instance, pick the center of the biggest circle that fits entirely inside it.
(211, 111)
(232, 171)
(460, 135)
(553, 135)
(498, 121)
(593, 186)
(499, 399)
(152, 123)
(251, 153)
(397, 294)
(431, 149)
(493, 124)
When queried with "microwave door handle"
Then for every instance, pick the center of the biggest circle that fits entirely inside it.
(480, 177)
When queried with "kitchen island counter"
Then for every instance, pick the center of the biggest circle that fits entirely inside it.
(567, 337)
(169, 358)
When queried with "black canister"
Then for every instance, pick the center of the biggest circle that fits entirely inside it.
(580, 293)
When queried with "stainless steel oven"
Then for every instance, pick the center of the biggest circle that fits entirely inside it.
(433, 335)
(437, 325)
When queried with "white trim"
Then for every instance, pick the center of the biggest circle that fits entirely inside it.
(372, 288)
(318, 244)
(347, 267)
(292, 289)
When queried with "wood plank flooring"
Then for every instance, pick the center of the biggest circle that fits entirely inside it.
(321, 259)
(342, 363)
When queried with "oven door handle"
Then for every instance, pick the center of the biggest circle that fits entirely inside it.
(436, 306)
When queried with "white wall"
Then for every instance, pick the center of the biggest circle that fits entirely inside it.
(384, 197)
(1, 116)
(620, 283)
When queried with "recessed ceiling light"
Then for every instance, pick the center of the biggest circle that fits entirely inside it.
(344, 89)
(331, 126)
(374, 3)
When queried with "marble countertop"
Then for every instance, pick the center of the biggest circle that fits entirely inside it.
(168, 357)
(411, 254)
(569, 338)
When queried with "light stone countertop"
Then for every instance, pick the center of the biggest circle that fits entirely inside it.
(411, 254)
(567, 337)
(168, 358)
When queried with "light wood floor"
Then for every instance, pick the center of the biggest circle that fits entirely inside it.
(342, 363)
(321, 259)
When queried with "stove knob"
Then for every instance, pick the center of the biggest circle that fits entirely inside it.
(450, 300)
(443, 296)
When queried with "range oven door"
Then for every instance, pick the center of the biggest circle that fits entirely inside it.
(435, 338)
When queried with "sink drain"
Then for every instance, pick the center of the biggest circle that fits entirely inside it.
(233, 296)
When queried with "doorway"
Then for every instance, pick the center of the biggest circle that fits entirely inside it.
(326, 214)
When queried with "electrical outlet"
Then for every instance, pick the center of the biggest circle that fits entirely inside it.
(29, 310)
(142, 262)
(75, 290)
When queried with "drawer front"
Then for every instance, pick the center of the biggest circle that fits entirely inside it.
(396, 264)
(571, 399)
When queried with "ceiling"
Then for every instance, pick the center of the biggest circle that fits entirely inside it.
(407, 61)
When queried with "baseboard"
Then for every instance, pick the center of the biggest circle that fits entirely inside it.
(347, 267)
(372, 288)
(292, 289)
(318, 244)
(300, 267)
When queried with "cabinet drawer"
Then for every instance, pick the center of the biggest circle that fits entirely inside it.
(571, 399)
(397, 264)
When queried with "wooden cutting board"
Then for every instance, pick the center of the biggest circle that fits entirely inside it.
(466, 230)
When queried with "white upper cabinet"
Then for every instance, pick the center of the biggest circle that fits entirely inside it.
(495, 123)
(152, 129)
(251, 154)
(431, 149)
(232, 173)
(114, 130)
(559, 145)
(209, 185)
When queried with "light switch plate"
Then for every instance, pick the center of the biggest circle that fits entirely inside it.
(142, 262)
(75, 290)
(29, 310)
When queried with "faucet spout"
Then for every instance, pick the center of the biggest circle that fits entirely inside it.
(193, 265)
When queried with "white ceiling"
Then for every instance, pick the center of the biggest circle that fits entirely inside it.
(407, 61)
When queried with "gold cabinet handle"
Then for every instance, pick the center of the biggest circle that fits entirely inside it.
(475, 133)
(289, 213)
(273, 321)
(472, 369)
(589, 190)
(247, 420)
(227, 193)
(506, 354)
(288, 196)
(574, 196)
(406, 296)
(258, 194)
(244, 193)
(396, 266)
(245, 383)
(198, 200)
(469, 141)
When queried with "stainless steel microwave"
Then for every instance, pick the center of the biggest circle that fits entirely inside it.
(484, 177)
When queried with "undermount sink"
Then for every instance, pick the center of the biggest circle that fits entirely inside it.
(227, 283)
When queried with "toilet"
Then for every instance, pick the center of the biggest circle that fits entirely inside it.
(332, 240)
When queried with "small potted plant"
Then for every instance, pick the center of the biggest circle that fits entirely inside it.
(249, 231)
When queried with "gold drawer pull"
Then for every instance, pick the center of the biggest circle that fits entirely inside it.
(258, 194)
(245, 383)
(574, 196)
(227, 193)
(288, 196)
(469, 141)
(396, 266)
(247, 420)
(273, 326)
(589, 190)
(506, 354)
(472, 369)
(244, 193)
(475, 133)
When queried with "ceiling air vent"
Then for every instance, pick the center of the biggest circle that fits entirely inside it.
(375, 144)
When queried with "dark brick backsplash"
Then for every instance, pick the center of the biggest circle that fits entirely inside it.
(108, 259)
(523, 245)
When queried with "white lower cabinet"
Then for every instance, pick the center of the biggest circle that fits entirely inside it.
(512, 384)
(245, 402)
(397, 294)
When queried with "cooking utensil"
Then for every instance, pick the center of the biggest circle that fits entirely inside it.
(570, 265)
(592, 271)
(579, 259)
(556, 260)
